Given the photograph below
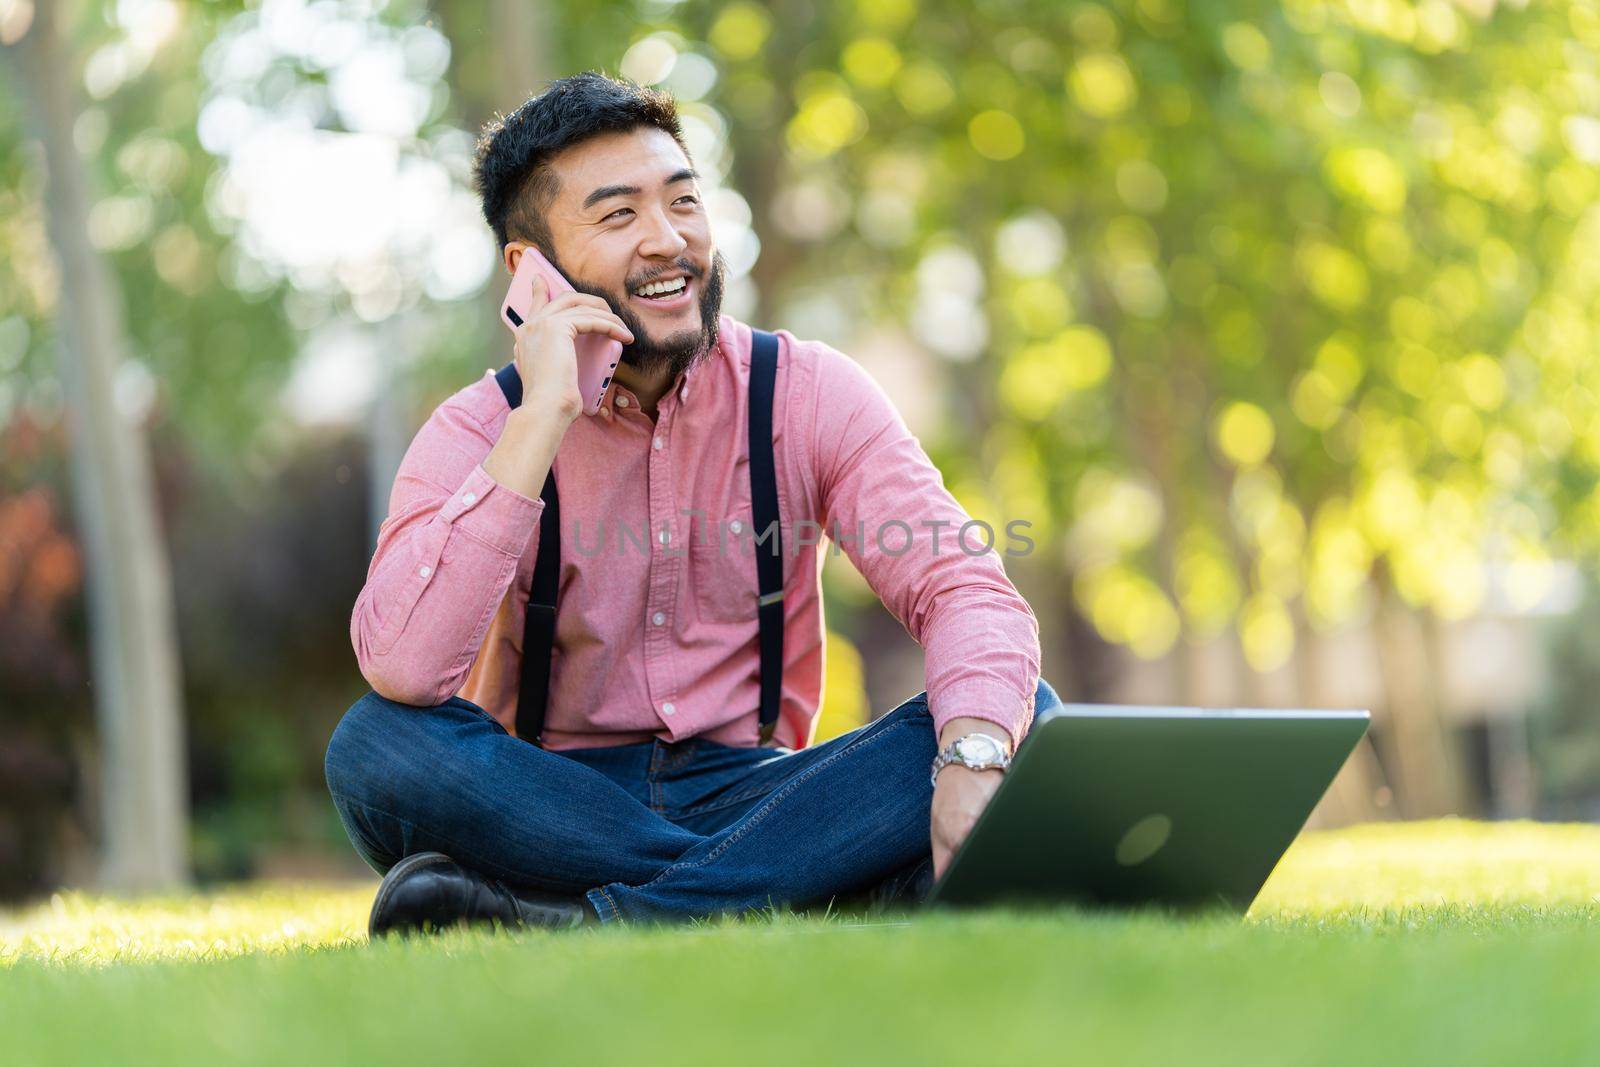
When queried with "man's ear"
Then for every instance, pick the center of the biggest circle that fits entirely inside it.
(512, 254)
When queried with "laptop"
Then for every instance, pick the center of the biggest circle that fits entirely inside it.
(1177, 808)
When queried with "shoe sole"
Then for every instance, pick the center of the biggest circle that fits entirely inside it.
(415, 861)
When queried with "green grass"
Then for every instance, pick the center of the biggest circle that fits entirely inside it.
(1451, 943)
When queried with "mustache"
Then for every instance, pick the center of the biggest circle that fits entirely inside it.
(684, 265)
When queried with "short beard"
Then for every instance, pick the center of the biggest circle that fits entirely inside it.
(683, 349)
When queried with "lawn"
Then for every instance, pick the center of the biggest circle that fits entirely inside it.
(1449, 942)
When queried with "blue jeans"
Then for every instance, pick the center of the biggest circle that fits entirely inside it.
(655, 830)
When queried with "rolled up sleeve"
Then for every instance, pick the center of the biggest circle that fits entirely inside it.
(445, 557)
(886, 506)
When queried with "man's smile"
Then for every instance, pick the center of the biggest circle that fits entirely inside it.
(668, 293)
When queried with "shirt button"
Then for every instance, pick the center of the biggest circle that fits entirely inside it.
(658, 618)
(663, 535)
(424, 571)
(736, 526)
(667, 709)
(656, 444)
(622, 401)
(469, 499)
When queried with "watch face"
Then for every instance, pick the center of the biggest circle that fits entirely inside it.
(979, 748)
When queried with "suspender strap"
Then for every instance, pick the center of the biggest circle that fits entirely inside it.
(539, 633)
(764, 504)
(538, 643)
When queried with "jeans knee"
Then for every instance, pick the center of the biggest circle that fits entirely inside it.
(915, 709)
(348, 762)
(1044, 696)
(919, 717)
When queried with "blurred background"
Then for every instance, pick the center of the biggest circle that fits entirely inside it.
(1277, 321)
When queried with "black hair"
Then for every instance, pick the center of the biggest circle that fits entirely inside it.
(512, 170)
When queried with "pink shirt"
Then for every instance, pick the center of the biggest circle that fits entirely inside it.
(656, 621)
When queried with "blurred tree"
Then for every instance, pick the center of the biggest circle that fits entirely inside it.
(133, 636)
(1565, 743)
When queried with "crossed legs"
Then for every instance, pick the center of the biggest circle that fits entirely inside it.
(833, 819)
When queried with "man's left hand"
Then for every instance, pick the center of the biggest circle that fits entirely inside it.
(961, 794)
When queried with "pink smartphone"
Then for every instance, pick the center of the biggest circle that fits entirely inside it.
(598, 353)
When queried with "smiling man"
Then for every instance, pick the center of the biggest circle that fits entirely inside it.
(643, 751)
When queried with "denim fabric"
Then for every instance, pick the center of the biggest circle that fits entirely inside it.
(653, 830)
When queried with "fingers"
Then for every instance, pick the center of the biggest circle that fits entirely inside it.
(542, 298)
(607, 324)
(593, 306)
(579, 312)
(581, 300)
(585, 322)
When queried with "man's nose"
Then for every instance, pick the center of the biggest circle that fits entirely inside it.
(663, 238)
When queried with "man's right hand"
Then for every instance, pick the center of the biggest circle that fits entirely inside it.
(546, 351)
(547, 360)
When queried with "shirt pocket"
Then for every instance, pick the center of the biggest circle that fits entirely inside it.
(722, 557)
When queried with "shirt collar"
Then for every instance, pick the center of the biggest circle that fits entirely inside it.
(686, 377)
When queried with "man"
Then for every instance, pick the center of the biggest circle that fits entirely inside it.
(649, 794)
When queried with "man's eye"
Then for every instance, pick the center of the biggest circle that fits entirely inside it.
(620, 210)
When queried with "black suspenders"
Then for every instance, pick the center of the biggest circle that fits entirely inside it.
(768, 537)
(539, 638)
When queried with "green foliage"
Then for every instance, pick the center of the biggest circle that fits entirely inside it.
(206, 352)
(1277, 299)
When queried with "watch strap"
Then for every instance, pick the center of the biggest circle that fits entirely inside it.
(948, 755)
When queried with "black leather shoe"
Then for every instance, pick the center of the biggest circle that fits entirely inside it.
(431, 891)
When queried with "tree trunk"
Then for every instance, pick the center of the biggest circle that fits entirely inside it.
(1426, 771)
(1453, 771)
(1354, 795)
(760, 166)
(521, 51)
(521, 63)
(133, 632)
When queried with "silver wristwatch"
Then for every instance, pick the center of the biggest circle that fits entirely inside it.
(979, 751)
